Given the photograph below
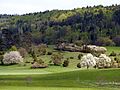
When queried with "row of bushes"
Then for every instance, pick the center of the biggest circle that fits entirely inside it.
(102, 41)
(14, 55)
(58, 57)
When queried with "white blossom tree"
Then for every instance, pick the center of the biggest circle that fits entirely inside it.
(12, 57)
(88, 60)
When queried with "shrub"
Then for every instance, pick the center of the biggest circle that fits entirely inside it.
(79, 65)
(12, 57)
(1, 57)
(71, 57)
(65, 63)
(79, 56)
(117, 40)
(112, 53)
(50, 61)
(42, 49)
(117, 59)
(104, 41)
(34, 56)
(40, 61)
(79, 43)
(23, 52)
(57, 59)
(49, 53)
(37, 65)
(13, 48)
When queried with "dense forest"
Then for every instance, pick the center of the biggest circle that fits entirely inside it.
(98, 25)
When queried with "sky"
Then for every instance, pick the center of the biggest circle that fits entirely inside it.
(30, 6)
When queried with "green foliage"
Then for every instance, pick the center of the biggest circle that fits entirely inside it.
(34, 56)
(65, 63)
(117, 40)
(71, 57)
(104, 41)
(62, 17)
(42, 49)
(117, 59)
(49, 53)
(57, 59)
(80, 56)
(23, 52)
(85, 37)
(1, 57)
(26, 41)
(79, 65)
(86, 25)
(79, 42)
(40, 61)
(13, 48)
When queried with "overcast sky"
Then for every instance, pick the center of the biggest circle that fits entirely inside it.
(28, 6)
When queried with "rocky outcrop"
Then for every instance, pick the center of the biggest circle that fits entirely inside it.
(84, 48)
(68, 47)
(37, 65)
(93, 49)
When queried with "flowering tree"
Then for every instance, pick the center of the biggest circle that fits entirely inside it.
(12, 57)
(88, 61)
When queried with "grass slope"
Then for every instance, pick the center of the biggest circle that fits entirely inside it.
(101, 79)
(115, 49)
(51, 88)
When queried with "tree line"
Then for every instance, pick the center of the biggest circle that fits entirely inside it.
(98, 25)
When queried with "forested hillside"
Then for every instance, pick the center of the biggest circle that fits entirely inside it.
(91, 25)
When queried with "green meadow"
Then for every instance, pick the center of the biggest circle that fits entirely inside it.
(18, 77)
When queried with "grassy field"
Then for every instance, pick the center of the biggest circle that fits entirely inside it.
(51, 88)
(63, 80)
(93, 79)
(18, 77)
(115, 49)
